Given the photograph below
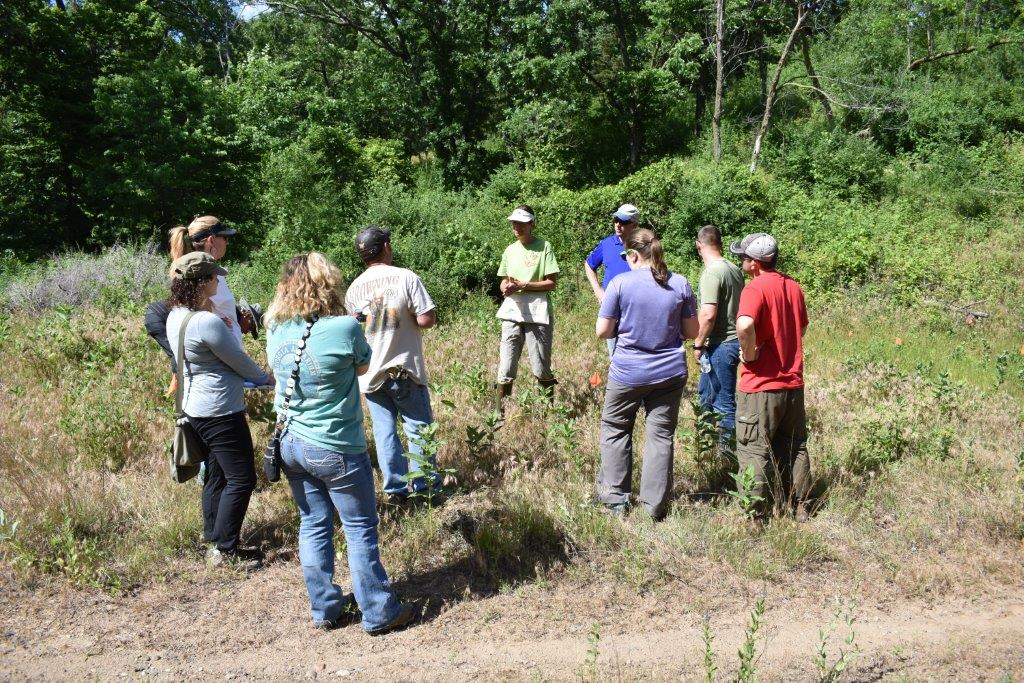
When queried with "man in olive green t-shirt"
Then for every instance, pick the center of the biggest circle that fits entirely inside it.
(528, 270)
(716, 345)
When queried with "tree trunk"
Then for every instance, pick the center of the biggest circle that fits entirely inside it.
(774, 86)
(815, 81)
(716, 121)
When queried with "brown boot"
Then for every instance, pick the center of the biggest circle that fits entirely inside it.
(501, 392)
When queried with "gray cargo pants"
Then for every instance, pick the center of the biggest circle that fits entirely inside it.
(621, 404)
(538, 340)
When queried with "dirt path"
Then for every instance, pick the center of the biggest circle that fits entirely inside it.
(228, 627)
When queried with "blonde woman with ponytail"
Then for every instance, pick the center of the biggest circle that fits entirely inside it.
(652, 311)
(208, 234)
(323, 447)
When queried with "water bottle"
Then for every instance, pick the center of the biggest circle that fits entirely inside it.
(705, 363)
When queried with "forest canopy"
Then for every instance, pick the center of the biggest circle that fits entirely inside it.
(122, 118)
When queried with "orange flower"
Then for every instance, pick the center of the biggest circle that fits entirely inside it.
(898, 341)
(595, 379)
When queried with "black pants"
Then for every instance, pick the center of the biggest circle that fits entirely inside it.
(230, 476)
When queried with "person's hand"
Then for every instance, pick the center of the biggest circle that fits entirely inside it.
(173, 387)
(752, 358)
(600, 296)
(697, 353)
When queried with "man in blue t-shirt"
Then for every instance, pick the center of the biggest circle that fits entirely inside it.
(611, 253)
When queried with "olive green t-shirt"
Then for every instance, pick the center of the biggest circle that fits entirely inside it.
(721, 284)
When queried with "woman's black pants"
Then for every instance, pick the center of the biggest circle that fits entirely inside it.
(230, 477)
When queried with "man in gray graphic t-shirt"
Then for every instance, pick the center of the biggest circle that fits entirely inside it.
(395, 307)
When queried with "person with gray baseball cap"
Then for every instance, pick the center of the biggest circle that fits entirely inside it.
(771, 421)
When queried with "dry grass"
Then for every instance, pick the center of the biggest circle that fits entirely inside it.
(920, 490)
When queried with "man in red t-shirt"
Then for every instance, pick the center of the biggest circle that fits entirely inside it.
(771, 424)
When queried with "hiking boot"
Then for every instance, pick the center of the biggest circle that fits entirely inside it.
(501, 392)
(349, 614)
(620, 510)
(408, 613)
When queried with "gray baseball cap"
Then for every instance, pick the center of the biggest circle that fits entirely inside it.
(759, 246)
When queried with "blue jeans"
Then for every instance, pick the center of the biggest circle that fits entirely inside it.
(322, 481)
(717, 389)
(405, 399)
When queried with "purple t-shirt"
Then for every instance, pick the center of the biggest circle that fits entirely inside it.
(650, 344)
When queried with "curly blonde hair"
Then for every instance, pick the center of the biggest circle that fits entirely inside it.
(310, 285)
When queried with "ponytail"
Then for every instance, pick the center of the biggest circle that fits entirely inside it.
(180, 243)
(647, 244)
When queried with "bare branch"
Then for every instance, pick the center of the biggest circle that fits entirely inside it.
(914, 65)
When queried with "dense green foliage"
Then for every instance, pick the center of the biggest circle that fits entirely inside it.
(122, 118)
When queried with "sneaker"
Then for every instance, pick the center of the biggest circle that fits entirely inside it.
(245, 559)
(349, 614)
(408, 613)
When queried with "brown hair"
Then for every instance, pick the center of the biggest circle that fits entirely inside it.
(647, 244)
(711, 236)
(310, 285)
(181, 237)
(189, 293)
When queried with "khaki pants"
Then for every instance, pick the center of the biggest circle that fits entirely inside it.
(771, 435)
(537, 338)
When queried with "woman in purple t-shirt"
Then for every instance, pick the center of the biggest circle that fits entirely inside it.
(652, 311)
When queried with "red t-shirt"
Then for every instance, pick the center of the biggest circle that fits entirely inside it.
(776, 303)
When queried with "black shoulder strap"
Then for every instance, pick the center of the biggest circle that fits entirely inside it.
(294, 379)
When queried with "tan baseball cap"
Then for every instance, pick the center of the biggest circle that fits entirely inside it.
(195, 265)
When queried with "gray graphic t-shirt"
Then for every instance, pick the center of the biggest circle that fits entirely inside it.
(391, 298)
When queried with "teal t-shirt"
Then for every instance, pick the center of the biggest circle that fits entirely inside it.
(325, 408)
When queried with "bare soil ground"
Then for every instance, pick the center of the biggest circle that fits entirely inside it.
(222, 625)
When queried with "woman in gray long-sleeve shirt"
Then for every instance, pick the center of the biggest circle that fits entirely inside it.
(215, 366)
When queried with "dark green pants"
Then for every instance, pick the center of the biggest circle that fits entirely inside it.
(771, 435)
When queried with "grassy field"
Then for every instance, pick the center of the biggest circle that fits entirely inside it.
(916, 443)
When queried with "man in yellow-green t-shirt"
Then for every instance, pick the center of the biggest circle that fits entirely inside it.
(528, 270)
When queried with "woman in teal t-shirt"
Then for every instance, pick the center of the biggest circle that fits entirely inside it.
(323, 449)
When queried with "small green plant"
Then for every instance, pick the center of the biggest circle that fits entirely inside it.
(589, 670)
(830, 672)
(1002, 365)
(709, 650)
(746, 481)
(748, 665)
(562, 432)
(479, 440)
(426, 462)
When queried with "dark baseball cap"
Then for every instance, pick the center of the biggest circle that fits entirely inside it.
(370, 242)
